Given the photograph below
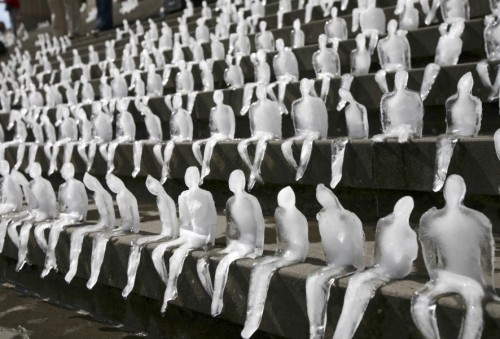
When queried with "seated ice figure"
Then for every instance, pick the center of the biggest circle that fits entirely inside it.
(42, 206)
(105, 91)
(110, 50)
(233, 74)
(326, 63)
(137, 84)
(286, 69)
(184, 82)
(342, 239)
(459, 253)
(222, 126)
(93, 56)
(298, 37)
(206, 11)
(217, 51)
(310, 121)
(408, 15)
(119, 86)
(355, 116)
(202, 33)
(154, 82)
(395, 250)
(292, 248)
(265, 125)
(207, 76)
(196, 50)
(20, 133)
(104, 204)
(360, 57)
(85, 128)
(87, 91)
(197, 221)
(450, 10)
(144, 58)
(262, 75)
(336, 27)
(394, 51)
(244, 239)
(165, 41)
(68, 135)
(37, 131)
(73, 205)
(264, 39)
(102, 134)
(239, 43)
(401, 112)
(371, 20)
(169, 230)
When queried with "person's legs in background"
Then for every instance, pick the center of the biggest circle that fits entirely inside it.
(58, 17)
(104, 15)
(74, 17)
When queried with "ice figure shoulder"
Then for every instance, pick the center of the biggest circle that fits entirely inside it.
(336, 27)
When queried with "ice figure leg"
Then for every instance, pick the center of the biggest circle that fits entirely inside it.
(138, 146)
(301, 4)
(157, 151)
(204, 275)
(243, 151)
(68, 151)
(111, 156)
(247, 97)
(158, 256)
(281, 96)
(12, 231)
(286, 149)
(32, 155)
(400, 6)
(260, 151)
(50, 257)
(423, 312)
(220, 280)
(373, 42)
(92, 151)
(53, 158)
(21, 148)
(325, 88)
(444, 151)
(305, 156)
(167, 154)
(40, 235)
(425, 6)
(430, 74)
(47, 150)
(431, 15)
(197, 150)
(176, 264)
(381, 80)
(81, 148)
(484, 75)
(280, 19)
(259, 284)
(318, 285)
(4, 223)
(207, 156)
(361, 289)
(24, 236)
(338, 152)
(308, 13)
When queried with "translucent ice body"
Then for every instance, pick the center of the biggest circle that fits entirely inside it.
(492, 35)
(394, 51)
(68, 135)
(336, 28)
(264, 39)
(371, 20)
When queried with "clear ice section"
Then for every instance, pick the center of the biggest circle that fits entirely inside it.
(298, 37)
(73, 206)
(459, 253)
(292, 248)
(264, 39)
(491, 34)
(265, 125)
(342, 239)
(169, 230)
(222, 127)
(130, 223)
(371, 20)
(396, 249)
(42, 206)
(361, 58)
(451, 10)
(394, 52)
(310, 121)
(197, 222)
(244, 239)
(401, 112)
(463, 119)
(336, 28)
(68, 137)
(408, 15)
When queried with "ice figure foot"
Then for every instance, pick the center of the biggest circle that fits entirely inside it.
(135, 172)
(204, 276)
(338, 152)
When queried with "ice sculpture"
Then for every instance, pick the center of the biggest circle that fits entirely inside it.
(104, 204)
(181, 129)
(68, 135)
(360, 57)
(450, 10)
(371, 20)
(197, 219)
(463, 119)
(326, 63)
(459, 253)
(402, 112)
(342, 239)
(310, 121)
(165, 41)
(137, 85)
(233, 74)
(105, 90)
(262, 75)
(395, 250)
(244, 238)
(217, 48)
(222, 126)
(293, 245)
(492, 34)
(88, 95)
(286, 69)
(394, 51)
(197, 53)
(20, 134)
(119, 86)
(202, 33)
(264, 39)
(184, 82)
(93, 56)
(448, 51)
(265, 125)
(239, 43)
(336, 27)
(169, 230)
(42, 206)
(37, 130)
(154, 82)
(73, 205)
(408, 15)
(298, 37)
(207, 75)
(130, 223)
(206, 11)
(102, 134)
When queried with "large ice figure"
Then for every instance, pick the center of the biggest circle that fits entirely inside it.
(394, 50)
(463, 119)
(68, 135)
(342, 239)
(222, 127)
(401, 112)
(492, 34)
(293, 246)
(336, 28)
(197, 219)
(169, 230)
(360, 57)
(326, 63)
(451, 10)
(104, 204)
(73, 205)
(371, 20)
(310, 121)
(42, 206)
(130, 223)
(459, 253)
(265, 125)
(286, 69)
(244, 239)
(395, 250)
(264, 39)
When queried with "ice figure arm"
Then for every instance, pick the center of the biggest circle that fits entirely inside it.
(483, 71)
(488, 253)
(429, 248)
(355, 19)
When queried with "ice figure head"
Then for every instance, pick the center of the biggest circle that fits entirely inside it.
(153, 185)
(286, 198)
(237, 181)
(35, 170)
(280, 45)
(218, 97)
(403, 208)
(68, 171)
(192, 177)
(4, 168)
(91, 182)
(296, 24)
(114, 183)
(454, 190)
(262, 26)
(327, 199)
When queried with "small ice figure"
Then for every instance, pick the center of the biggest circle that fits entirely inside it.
(77, 60)
(492, 34)
(73, 206)
(37, 130)
(105, 90)
(239, 43)
(207, 75)
(297, 35)
(102, 134)
(371, 20)
(181, 129)
(20, 134)
(104, 204)
(265, 125)
(395, 250)
(264, 39)
(206, 11)
(448, 51)
(130, 223)
(202, 33)
(110, 50)
(154, 82)
(394, 51)
(144, 58)
(244, 239)
(119, 86)
(408, 15)
(169, 230)
(196, 51)
(139, 28)
(42, 206)
(463, 119)
(355, 116)
(342, 239)
(262, 75)
(293, 246)
(309, 9)
(310, 121)
(137, 85)
(326, 63)
(401, 111)
(197, 219)
(88, 95)
(216, 48)
(184, 82)
(450, 10)
(93, 56)
(68, 135)
(165, 41)
(286, 69)
(459, 253)
(233, 74)
(336, 27)
(222, 126)
(360, 57)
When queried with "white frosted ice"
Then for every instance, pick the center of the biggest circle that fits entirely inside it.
(360, 57)
(394, 50)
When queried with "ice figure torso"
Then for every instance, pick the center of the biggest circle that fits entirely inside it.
(285, 64)
(181, 125)
(452, 9)
(463, 115)
(448, 50)
(326, 62)
(184, 81)
(222, 121)
(264, 40)
(336, 28)
(310, 115)
(262, 72)
(71, 199)
(43, 205)
(394, 50)
(240, 211)
(68, 129)
(402, 108)
(291, 233)
(372, 20)
(102, 127)
(11, 191)
(126, 125)
(492, 36)
(197, 212)
(265, 117)
(233, 75)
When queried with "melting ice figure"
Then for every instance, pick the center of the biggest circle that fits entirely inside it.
(298, 36)
(371, 20)
(360, 57)
(408, 15)
(20, 134)
(326, 63)
(286, 69)
(262, 75)
(336, 28)
(264, 39)
(233, 74)
(101, 130)
(394, 51)
(459, 254)
(68, 135)
(450, 10)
